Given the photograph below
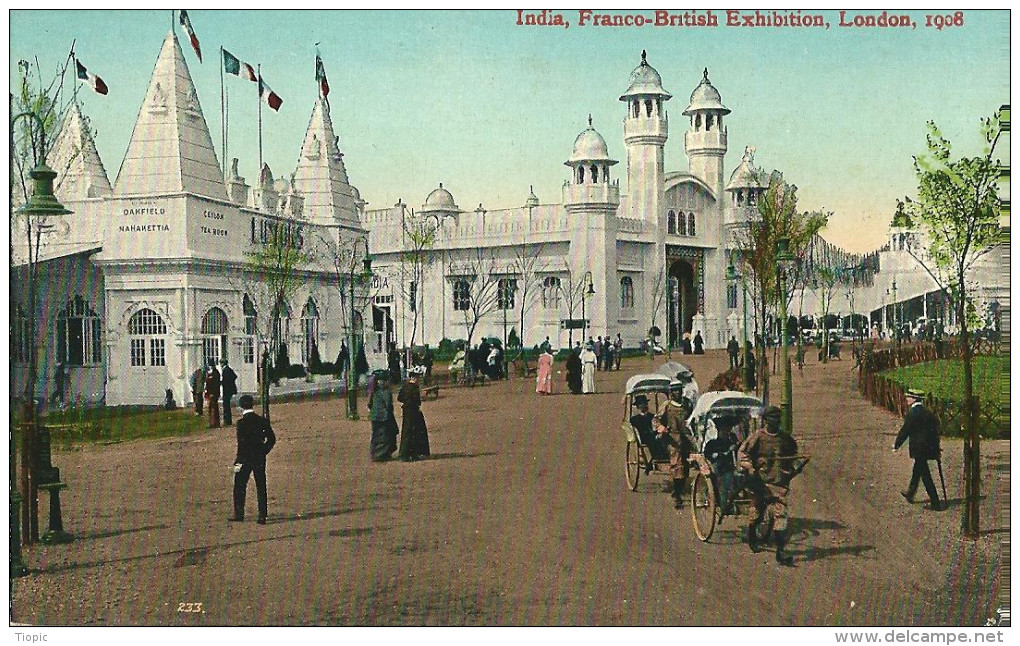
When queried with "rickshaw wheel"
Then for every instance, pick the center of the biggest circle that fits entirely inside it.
(633, 465)
(703, 506)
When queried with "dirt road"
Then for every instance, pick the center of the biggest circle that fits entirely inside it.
(521, 517)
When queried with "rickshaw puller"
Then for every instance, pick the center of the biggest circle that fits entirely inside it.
(672, 415)
(761, 457)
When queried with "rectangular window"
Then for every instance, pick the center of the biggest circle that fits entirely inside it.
(76, 342)
(731, 296)
(21, 343)
(93, 343)
(137, 352)
(157, 353)
(505, 293)
(412, 296)
(248, 350)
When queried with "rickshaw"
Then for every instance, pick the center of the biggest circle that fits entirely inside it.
(743, 411)
(639, 454)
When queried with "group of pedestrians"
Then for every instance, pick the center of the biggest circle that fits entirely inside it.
(207, 385)
(414, 435)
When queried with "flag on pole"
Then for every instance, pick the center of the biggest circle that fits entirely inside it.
(271, 98)
(320, 76)
(237, 67)
(97, 83)
(186, 23)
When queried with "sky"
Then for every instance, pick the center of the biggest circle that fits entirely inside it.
(487, 107)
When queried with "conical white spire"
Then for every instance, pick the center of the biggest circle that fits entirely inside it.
(171, 150)
(320, 176)
(80, 171)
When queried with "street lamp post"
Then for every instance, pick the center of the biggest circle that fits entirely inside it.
(41, 205)
(734, 277)
(585, 293)
(363, 277)
(785, 261)
(896, 322)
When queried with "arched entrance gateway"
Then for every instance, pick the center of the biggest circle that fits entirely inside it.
(683, 293)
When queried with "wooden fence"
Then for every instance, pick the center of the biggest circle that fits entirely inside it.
(882, 391)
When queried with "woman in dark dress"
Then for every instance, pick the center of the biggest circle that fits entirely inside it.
(574, 372)
(414, 436)
(380, 405)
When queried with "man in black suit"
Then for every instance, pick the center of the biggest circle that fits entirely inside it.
(921, 427)
(228, 386)
(255, 439)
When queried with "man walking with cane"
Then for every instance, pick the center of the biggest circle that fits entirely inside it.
(921, 427)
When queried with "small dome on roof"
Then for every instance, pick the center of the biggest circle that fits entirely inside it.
(745, 175)
(590, 146)
(705, 97)
(645, 81)
(440, 200)
(532, 198)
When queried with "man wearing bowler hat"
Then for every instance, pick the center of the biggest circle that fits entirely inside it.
(255, 439)
(921, 427)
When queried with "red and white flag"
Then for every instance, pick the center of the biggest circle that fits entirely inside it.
(186, 23)
(97, 83)
(271, 98)
(320, 76)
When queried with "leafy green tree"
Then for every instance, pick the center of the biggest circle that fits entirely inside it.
(957, 211)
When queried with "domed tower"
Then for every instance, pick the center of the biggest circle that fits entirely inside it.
(440, 205)
(591, 199)
(745, 189)
(706, 139)
(645, 130)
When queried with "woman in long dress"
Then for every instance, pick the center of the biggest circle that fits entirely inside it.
(574, 371)
(414, 436)
(588, 359)
(545, 364)
(383, 423)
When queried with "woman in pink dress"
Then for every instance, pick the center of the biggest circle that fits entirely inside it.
(545, 363)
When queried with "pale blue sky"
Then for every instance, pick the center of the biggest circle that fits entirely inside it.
(472, 100)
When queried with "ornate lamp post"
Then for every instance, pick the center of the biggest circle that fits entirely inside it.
(733, 277)
(363, 279)
(41, 205)
(585, 293)
(786, 262)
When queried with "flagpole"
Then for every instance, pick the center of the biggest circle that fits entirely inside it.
(223, 118)
(260, 123)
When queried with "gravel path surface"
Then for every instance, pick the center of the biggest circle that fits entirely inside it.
(521, 517)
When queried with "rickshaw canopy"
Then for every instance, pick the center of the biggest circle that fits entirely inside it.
(671, 369)
(721, 402)
(647, 383)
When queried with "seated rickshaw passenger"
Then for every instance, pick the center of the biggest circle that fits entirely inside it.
(721, 451)
(643, 422)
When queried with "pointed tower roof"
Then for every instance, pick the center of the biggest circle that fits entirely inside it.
(80, 171)
(171, 149)
(320, 176)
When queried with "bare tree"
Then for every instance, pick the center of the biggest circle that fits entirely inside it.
(660, 285)
(528, 265)
(573, 294)
(419, 237)
(478, 277)
(269, 278)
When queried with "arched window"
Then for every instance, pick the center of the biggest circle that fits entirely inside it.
(751, 197)
(636, 109)
(309, 330)
(697, 122)
(147, 329)
(708, 122)
(78, 334)
(21, 337)
(214, 336)
(739, 195)
(671, 222)
(281, 325)
(648, 107)
(731, 296)
(551, 293)
(605, 174)
(682, 222)
(505, 292)
(250, 330)
(580, 174)
(626, 292)
(594, 174)
(461, 295)
(690, 224)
